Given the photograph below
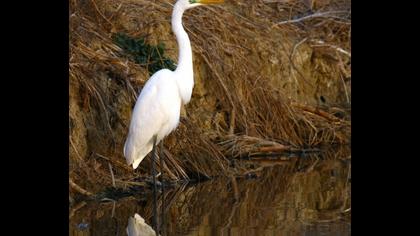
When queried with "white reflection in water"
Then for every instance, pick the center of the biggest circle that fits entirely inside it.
(138, 227)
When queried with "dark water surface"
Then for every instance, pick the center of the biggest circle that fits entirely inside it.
(307, 195)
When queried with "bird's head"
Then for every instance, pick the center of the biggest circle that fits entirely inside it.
(187, 4)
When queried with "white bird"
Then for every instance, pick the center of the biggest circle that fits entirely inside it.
(158, 107)
(138, 227)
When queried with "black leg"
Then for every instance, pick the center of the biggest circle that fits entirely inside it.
(163, 188)
(155, 222)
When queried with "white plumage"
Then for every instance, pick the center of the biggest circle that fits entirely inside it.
(156, 112)
(158, 106)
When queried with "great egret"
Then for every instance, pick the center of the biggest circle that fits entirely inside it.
(158, 106)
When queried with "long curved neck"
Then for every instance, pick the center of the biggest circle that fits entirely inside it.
(185, 52)
(184, 71)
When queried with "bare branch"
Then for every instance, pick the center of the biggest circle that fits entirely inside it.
(323, 44)
(79, 189)
(315, 15)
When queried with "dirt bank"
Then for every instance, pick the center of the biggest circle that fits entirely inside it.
(268, 74)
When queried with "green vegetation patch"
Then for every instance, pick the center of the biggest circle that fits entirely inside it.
(152, 57)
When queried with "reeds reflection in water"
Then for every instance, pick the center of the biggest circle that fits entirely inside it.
(301, 195)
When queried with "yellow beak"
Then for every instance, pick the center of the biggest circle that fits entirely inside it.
(210, 1)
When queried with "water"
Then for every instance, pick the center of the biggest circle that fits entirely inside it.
(298, 196)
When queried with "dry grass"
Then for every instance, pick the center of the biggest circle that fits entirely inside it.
(260, 68)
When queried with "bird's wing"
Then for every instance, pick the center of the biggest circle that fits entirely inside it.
(146, 120)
